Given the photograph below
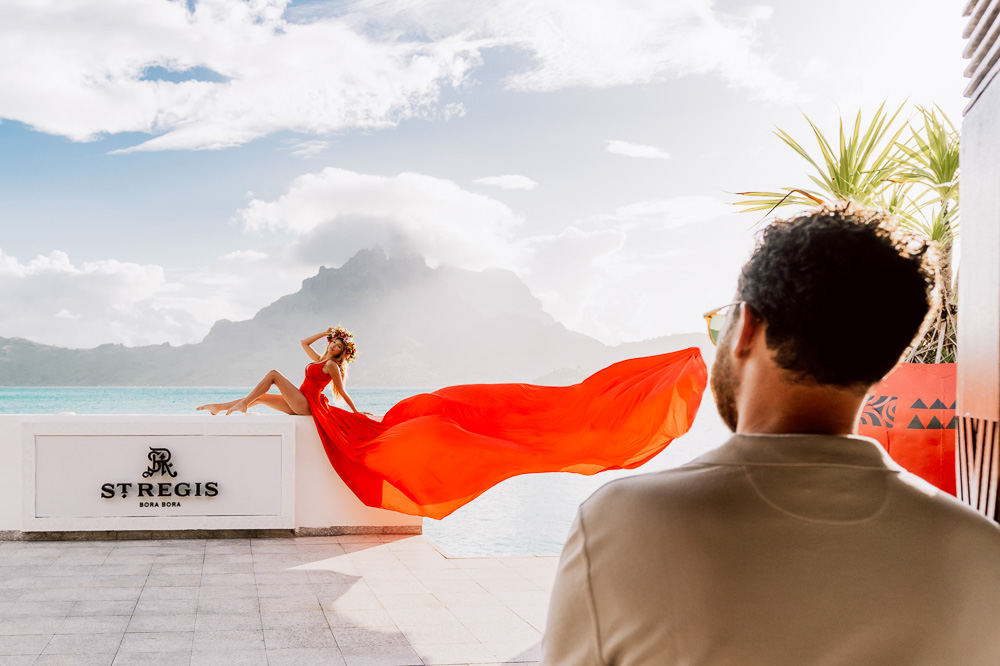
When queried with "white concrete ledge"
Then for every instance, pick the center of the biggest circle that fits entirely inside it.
(278, 480)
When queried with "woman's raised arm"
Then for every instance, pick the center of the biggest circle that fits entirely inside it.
(307, 343)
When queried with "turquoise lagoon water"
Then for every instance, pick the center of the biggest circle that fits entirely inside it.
(524, 515)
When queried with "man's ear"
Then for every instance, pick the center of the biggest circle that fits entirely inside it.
(750, 326)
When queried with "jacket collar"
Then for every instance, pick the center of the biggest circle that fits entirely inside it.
(852, 450)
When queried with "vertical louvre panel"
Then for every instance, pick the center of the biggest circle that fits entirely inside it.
(983, 46)
(978, 464)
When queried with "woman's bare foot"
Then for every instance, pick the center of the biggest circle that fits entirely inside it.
(214, 408)
(237, 406)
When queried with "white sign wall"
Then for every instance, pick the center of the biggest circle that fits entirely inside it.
(149, 475)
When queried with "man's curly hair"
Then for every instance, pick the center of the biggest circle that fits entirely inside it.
(843, 291)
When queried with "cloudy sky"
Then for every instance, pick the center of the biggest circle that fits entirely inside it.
(168, 163)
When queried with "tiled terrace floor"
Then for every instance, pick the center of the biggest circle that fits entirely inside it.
(355, 600)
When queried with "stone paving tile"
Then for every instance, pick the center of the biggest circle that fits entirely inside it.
(70, 571)
(514, 652)
(178, 592)
(53, 594)
(112, 594)
(18, 660)
(83, 644)
(358, 600)
(264, 591)
(305, 657)
(415, 617)
(43, 581)
(162, 623)
(161, 607)
(154, 659)
(230, 658)
(228, 622)
(234, 639)
(395, 657)
(283, 578)
(103, 607)
(359, 618)
(322, 550)
(228, 606)
(158, 641)
(94, 624)
(229, 558)
(359, 538)
(365, 647)
(348, 601)
(331, 587)
(466, 586)
(243, 579)
(36, 608)
(211, 568)
(227, 591)
(173, 580)
(313, 620)
(74, 659)
(22, 645)
(418, 600)
(276, 639)
(454, 653)
(455, 573)
(175, 569)
(451, 631)
(124, 569)
(19, 582)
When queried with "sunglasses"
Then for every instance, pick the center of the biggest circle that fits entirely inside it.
(716, 320)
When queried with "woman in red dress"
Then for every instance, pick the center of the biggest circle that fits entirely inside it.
(340, 351)
(435, 452)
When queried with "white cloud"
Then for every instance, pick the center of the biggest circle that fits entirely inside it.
(83, 67)
(309, 149)
(642, 270)
(636, 150)
(53, 301)
(335, 212)
(508, 182)
(246, 256)
(675, 212)
(646, 270)
(601, 43)
(80, 71)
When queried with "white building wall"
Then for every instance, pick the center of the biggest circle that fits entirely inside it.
(323, 503)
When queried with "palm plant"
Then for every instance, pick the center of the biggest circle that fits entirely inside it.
(915, 178)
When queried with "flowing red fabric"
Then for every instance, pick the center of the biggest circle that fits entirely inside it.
(435, 452)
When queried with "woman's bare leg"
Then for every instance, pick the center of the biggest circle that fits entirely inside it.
(274, 402)
(289, 392)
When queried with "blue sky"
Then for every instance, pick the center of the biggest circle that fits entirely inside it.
(166, 164)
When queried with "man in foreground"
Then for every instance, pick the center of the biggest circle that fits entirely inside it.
(795, 542)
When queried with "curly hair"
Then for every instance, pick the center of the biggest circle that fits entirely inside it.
(843, 291)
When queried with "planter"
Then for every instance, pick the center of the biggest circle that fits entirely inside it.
(912, 414)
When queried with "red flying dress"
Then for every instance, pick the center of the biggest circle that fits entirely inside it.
(435, 452)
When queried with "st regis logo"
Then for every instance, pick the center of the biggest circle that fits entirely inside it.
(160, 463)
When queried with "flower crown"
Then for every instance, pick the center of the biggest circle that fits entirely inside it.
(346, 336)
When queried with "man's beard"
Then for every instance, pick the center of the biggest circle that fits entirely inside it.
(724, 386)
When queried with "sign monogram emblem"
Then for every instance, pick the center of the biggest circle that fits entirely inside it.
(159, 462)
